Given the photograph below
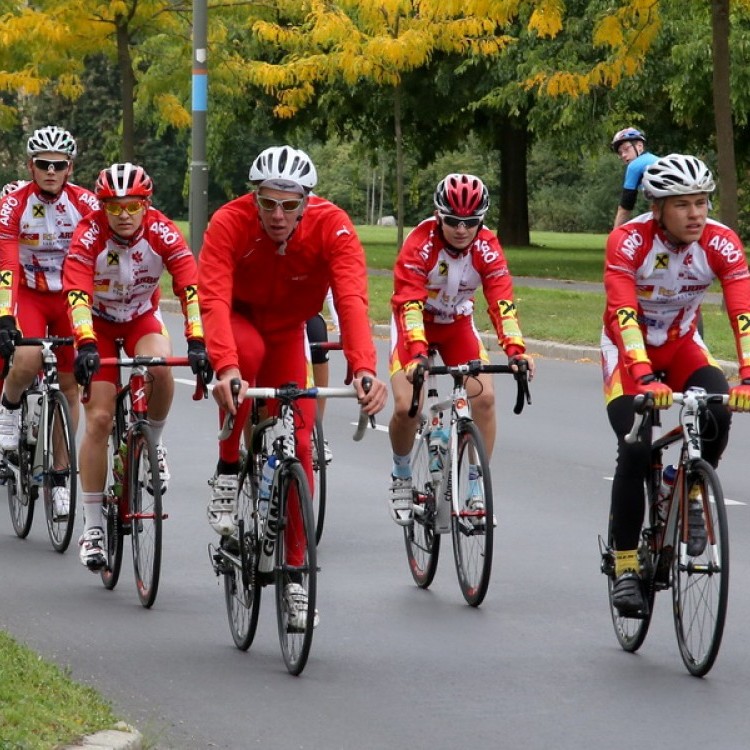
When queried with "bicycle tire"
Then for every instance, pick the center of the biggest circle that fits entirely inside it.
(241, 588)
(111, 521)
(701, 584)
(145, 508)
(320, 478)
(422, 543)
(60, 449)
(473, 531)
(295, 642)
(21, 494)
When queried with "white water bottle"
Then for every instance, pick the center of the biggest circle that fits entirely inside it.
(668, 475)
(33, 415)
(438, 448)
(266, 480)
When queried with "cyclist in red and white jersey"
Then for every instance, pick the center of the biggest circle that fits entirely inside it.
(36, 224)
(12, 186)
(111, 280)
(442, 263)
(267, 261)
(658, 269)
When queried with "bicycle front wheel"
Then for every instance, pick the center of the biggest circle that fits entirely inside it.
(241, 589)
(60, 472)
(701, 582)
(113, 529)
(472, 526)
(422, 543)
(21, 495)
(145, 507)
(320, 478)
(296, 568)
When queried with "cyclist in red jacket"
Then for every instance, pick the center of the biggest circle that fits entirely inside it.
(438, 270)
(657, 270)
(37, 220)
(117, 256)
(267, 261)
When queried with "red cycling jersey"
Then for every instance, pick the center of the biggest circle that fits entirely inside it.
(119, 282)
(277, 288)
(654, 289)
(433, 286)
(35, 233)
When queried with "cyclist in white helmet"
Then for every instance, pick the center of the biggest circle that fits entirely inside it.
(12, 186)
(658, 268)
(630, 145)
(267, 261)
(36, 224)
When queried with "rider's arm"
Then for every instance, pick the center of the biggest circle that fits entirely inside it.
(11, 209)
(78, 277)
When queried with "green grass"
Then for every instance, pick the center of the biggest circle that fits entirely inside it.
(40, 707)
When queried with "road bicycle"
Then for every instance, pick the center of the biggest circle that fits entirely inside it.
(700, 584)
(46, 456)
(132, 504)
(444, 488)
(260, 552)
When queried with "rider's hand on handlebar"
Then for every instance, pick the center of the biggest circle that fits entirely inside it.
(87, 363)
(661, 393)
(198, 360)
(222, 391)
(518, 361)
(374, 400)
(8, 335)
(412, 365)
(739, 396)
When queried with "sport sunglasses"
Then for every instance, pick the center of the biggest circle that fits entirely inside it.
(59, 165)
(468, 221)
(287, 206)
(115, 209)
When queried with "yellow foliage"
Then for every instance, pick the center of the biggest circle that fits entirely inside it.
(172, 110)
(546, 18)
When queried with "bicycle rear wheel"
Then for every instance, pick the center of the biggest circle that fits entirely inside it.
(472, 528)
(422, 543)
(295, 638)
(21, 495)
(701, 583)
(320, 472)
(241, 588)
(145, 506)
(60, 470)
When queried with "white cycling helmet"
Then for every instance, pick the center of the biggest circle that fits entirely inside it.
(284, 168)
(11, 187)
(52, 138)
(677, 174)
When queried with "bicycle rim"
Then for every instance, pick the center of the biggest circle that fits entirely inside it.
(144, 487)
(241, 590)
(21, 498)
(60, 469)
(295, 499)
(320, 478)
(113, 530)
(422, 543)
(472, 530)
(701, 583)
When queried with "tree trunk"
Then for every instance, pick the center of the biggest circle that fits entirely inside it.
(513, 142)
(127, 76)
(723, 113)
(399, 164)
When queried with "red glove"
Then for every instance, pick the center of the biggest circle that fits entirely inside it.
(660, 392)
(739, 396)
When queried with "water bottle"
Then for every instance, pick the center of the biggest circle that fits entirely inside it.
(438, 448)
(668, 475)
(33, 415)
(118, 468)
(266, 480)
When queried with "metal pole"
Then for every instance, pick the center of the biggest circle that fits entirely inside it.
(198, 217)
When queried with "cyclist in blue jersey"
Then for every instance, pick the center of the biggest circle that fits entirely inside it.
(630, 145)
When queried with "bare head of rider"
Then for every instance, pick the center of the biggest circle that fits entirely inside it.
(284, 177)
(679, 187)
(124, 191)
(461, 202)
(628, 144)
(51, 151)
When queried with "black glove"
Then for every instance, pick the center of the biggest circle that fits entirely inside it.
(87, 363)
(8, 335)
(198, 360)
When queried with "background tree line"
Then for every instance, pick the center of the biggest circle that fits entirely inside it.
(392, 93)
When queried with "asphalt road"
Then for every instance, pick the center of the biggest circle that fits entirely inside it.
(536, 666)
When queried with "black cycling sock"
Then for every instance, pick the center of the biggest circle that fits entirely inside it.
(227, 467)
(8, 405)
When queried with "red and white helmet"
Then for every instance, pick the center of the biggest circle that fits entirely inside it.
(11, 187)
(462, 195)
(123, 181)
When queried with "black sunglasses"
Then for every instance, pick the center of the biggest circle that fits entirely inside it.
(468, 221)
(59, 165)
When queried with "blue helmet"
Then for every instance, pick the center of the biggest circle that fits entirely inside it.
(627, 134)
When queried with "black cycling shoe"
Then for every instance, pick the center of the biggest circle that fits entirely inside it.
(627, 595)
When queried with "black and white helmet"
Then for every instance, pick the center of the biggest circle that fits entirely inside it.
(11, 187)
(284, 168)
(52, 138)
(677, 174)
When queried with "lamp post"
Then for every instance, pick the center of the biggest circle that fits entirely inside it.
(198, 217)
